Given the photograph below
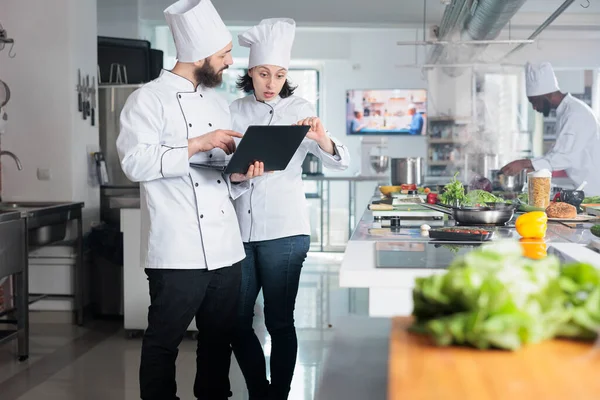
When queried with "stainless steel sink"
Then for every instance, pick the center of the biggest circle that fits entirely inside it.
(46, 221)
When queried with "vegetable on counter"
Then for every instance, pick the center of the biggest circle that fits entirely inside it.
(481, 183)
(581, 284)
(536, 249)
(591, 200)
(595, 230)
(454, 193)
(491, 297)
(495, 297)
(527, 208)
(532, 225)
(478, 196)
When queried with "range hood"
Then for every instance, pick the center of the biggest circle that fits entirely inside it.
(470, 21)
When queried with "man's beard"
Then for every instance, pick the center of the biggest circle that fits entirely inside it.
(207, 77)
(546, 107)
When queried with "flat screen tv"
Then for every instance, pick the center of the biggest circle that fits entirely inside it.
(386, 112)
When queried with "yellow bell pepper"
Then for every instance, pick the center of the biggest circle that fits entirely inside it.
(532, 225)
(536, 249)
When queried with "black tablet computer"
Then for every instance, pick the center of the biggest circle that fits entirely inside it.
(274, 145)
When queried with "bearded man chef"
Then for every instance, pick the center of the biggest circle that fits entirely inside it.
(577, 146)
(191, 243)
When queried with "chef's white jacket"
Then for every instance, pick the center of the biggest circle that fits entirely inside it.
(577, 147)
(188, 218)
(275, 206)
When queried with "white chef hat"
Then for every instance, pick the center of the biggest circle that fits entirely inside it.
(270, 42)
(197, 28)
(540, 79)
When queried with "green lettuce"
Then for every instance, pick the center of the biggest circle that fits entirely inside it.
(492, 297)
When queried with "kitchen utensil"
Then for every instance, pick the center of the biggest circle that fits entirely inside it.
(4, 94)
(581, 186)
(311, 165)
(380, 163)
(469, 216)
(101, 168)
(407, 170)
(479, 163)
(93, 101)
(579, 218)
(388, 190)
(88, 96)
(84, 91)
(461, 234)
(79, 91)
(513, 183)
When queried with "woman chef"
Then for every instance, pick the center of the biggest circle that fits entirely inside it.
(577, 146)
(191, 243)
(273, 215)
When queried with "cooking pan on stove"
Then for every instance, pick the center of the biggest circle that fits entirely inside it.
(487, 215)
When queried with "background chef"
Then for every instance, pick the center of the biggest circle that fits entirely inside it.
(191, 243)
(577, 131)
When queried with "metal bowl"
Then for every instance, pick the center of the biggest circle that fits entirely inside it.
(512, 183)
(380, 163)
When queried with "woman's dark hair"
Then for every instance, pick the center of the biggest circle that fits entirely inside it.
(245, 83)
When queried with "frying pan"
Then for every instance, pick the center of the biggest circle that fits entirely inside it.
(496, 214)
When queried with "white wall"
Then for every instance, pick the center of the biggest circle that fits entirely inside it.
(53, 39)
(118, 18)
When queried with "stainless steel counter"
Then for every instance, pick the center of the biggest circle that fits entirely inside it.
(557, 232)
(387, 261)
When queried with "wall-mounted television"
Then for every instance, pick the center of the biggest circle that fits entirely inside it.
(386, 112)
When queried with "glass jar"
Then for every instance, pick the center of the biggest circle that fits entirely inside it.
(539, 185)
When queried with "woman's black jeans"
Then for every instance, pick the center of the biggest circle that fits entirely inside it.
(273, 266)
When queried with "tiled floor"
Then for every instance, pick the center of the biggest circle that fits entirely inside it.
(99, 362)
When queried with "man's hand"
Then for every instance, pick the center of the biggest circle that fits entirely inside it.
(318, 134)
(516, 167)
(257, 169)
(221, 138)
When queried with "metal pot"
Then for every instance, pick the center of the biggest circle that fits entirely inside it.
(380, 164)
(407, 171)
(480, 164)
(311, 165)
(512, 183)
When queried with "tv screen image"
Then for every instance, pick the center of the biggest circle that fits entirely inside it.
(386, 112)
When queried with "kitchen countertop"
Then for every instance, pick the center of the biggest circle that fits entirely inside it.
(378, 359)
(384, 260)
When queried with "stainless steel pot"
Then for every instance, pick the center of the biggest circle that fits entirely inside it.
(480, 164)
(380, 164)
(311, 165)
(512, 183)
(407, 171)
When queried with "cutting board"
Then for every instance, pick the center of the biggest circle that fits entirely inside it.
(592, 209)
(552, 370)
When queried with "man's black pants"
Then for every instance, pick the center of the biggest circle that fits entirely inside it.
(176, 297)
